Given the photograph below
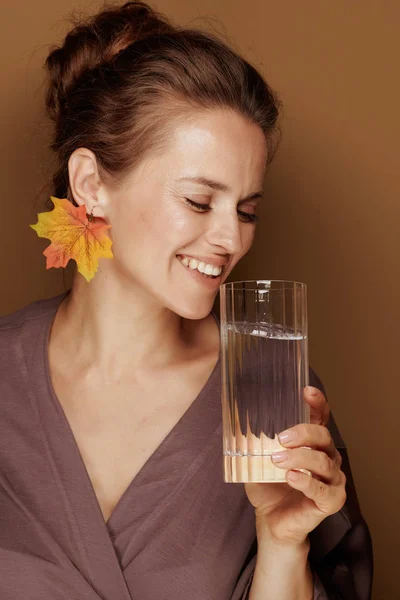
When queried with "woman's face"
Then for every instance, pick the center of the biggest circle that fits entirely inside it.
(216, 160)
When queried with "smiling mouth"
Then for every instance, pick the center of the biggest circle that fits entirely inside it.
(223, 267)
(196, 271)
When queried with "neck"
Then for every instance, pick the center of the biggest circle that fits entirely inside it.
(116, 329)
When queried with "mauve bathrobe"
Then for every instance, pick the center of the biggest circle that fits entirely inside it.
(178, 533)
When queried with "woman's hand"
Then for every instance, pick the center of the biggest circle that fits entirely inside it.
(287, 512)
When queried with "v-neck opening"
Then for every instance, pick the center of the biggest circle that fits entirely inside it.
(164, 443)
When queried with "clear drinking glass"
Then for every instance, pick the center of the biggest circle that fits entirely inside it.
(264, 361)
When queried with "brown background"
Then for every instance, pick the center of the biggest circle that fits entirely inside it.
(331, 214)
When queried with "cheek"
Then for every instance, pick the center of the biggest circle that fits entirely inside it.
(151, 230)
(177, 226)
(176, 218)
(130, 233)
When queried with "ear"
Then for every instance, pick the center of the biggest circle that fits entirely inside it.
(85, 184)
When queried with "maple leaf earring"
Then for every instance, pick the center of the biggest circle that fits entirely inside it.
(73, 235)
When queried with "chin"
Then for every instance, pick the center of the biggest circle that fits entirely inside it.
(195, 312)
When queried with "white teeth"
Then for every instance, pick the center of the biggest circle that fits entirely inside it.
(204, 268)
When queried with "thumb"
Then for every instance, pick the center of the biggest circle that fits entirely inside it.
(319, 408)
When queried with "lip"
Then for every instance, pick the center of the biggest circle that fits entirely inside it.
(214, 261)
(206, 281)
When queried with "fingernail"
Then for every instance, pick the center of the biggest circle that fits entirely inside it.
(279, 457)
(286, 436)
(293, 475)
(311, 391)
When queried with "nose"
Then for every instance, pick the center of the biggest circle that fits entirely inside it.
(226, 232)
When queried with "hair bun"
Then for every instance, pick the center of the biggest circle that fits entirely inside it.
(94, 42)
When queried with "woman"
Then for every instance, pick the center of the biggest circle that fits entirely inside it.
(111, 474)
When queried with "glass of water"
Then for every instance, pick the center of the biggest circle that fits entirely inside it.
(264, 360)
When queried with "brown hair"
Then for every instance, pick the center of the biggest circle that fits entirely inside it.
(120, 77)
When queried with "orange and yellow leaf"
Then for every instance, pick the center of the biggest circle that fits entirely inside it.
(74, 237)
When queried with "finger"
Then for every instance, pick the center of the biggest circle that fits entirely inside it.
(319, 407)
(315, 461)
(329, 499)
(314, 436)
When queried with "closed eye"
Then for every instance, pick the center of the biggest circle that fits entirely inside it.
(205, 208)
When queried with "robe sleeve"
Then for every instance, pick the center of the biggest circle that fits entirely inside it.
(340, 556)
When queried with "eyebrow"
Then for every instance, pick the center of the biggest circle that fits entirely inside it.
(221, 187)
